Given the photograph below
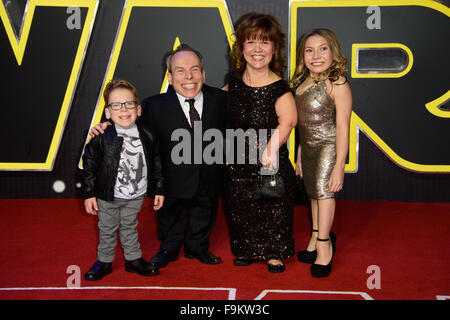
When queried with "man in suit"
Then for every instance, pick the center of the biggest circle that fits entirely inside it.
(192, 189)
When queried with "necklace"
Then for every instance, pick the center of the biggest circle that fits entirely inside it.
(249, 81)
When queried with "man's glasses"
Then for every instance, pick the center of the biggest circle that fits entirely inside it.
(118, 105)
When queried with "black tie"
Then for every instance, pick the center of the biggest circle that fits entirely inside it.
(193, 114)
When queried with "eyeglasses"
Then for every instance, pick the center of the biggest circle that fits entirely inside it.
(118, 105)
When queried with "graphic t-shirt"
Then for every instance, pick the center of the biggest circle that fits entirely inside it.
(131, 179)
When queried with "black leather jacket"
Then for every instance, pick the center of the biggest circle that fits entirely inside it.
(101, 162)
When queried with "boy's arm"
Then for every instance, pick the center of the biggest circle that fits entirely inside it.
(91, 160)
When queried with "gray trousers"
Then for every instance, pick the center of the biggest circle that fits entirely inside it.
(118, 214)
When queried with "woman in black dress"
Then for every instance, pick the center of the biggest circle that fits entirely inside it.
(260, 102)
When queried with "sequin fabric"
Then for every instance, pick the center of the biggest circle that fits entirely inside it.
(259, 229)
(317, 130)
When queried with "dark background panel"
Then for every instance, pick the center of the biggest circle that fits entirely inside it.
(395, 107)
(141, 57)
(378, 178)
(36, 89)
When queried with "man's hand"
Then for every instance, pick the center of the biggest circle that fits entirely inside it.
(99, 129)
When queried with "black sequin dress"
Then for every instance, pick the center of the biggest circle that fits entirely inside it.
(259, 229)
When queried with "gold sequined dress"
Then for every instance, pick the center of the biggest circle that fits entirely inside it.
(259, 229)
(317, 130)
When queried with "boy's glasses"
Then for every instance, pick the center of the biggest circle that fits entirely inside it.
(118, 105)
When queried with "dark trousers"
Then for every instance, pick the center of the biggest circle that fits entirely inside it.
(188, 221)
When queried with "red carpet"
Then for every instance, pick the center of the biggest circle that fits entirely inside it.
(408, 242)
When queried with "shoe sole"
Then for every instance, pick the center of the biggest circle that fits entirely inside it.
(141, 274)
(189, 256)
(320, 275)
(96, 279)
(159, 265)
(242, 264)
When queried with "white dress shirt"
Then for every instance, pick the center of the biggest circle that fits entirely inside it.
(198, 104)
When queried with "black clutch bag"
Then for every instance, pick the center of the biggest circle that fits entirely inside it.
(301, 197)
(269, 187)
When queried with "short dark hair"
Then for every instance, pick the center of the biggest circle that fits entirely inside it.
(258, 26)
(180, 48)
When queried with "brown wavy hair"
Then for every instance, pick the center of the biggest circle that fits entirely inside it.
(336, 69)
(258, 26)
(119, 83)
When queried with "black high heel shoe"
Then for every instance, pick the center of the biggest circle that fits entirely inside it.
(319, 270)
(306, 256)
(275, 268)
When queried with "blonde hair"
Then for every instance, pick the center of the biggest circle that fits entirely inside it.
(336, 69)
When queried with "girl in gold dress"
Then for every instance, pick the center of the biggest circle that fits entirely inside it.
(324, 106)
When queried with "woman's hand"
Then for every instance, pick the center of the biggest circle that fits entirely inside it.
(336, 179)
(298, 168)
(269, 161)
(298, 164)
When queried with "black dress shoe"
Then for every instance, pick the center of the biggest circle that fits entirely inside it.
(98, 271)
(162, 258)
(141, 267)
(204, 257)
(243, 262)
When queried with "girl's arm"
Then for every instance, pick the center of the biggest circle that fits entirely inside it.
(342, 96)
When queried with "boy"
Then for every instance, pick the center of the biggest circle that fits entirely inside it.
(119, 169)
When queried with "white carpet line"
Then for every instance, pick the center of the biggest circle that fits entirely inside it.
(362, 294)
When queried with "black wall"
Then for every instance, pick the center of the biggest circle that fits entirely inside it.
(378, 178)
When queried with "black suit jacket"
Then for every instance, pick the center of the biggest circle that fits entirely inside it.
(163, 114)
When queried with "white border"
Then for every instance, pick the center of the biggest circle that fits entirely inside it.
(362, 294)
